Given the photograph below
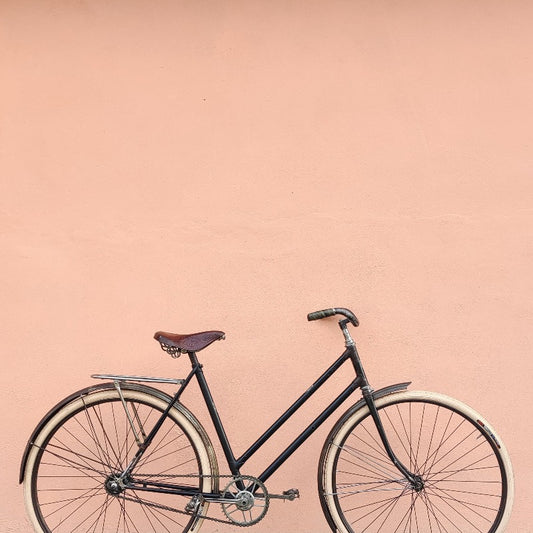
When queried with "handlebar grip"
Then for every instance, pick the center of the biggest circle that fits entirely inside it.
(317, 315)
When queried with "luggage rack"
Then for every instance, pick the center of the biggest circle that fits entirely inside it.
(142, 379)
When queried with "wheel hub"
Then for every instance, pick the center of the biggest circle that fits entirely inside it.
(114, 485)
(418, 484)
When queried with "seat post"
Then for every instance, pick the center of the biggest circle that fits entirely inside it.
(193, 359)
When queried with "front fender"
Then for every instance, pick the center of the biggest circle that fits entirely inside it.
(385, 391)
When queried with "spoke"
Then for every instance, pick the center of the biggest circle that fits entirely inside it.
(420, 433)
(454, 448)
(152, 507)
(126, 515)
(145, 510)
(96, 441)
(463, 456)
(462, 478)
(381, 508)
(379, 503)
(378, 447)
(373, 465)
(442, 442)
(98, 413)
(406, 517)
(130, 441)
(70, 463)
(393, 425)
(378, 451)
(82, 504)
(91, 451)
(102, 514)
(433, 429)
(416, 515)
(431, 512)
(445, 500)
(436, 509)
(156, 448)
(344, 494)
(119, 445)
(468, 468)
(88, 493)
(410, 439)
(163, 473)
(464, 502)
(391, 509)
(434, 454)
(171, 452)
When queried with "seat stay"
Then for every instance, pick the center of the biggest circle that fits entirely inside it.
(150, 437)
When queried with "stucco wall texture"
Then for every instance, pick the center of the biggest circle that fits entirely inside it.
(234, 165)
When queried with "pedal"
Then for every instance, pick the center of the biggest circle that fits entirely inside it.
(290, 495)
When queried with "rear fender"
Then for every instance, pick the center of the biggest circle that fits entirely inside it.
(105, 386)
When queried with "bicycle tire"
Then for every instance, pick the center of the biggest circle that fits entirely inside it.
(91, 438)
(466, 469)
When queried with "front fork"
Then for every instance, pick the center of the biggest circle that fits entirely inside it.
(414, 480)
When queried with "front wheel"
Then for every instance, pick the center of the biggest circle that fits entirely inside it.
(72, 475)
(465, 470)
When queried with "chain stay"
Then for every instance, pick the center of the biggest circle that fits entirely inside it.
(200, 516)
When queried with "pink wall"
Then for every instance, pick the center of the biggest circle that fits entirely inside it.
(235, 165)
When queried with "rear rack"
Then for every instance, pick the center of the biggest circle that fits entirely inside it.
(144, 379)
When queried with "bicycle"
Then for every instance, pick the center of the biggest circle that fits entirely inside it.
(125, 456)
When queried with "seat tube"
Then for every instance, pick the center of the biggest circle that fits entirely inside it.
(215, 417)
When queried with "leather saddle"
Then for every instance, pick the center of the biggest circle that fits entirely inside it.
(192, 342)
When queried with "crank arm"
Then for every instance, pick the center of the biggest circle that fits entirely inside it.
(290, 495)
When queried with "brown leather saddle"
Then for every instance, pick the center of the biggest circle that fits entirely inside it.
(175, 343)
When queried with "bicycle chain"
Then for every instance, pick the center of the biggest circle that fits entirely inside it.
(198, 516)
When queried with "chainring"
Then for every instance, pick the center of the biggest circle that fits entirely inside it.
(251, 502)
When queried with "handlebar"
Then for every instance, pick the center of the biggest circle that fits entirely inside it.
(317, 315)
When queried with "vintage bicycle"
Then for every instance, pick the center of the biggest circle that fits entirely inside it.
(124, 456)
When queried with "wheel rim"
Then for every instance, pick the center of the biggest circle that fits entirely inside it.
(76, 485)
(464, 482)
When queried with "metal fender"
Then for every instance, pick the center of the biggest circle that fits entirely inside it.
(104, 386)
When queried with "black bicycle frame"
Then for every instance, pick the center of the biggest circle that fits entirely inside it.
(235, 464)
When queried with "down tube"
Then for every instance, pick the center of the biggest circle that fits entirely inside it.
(319, 420)
(293, 408)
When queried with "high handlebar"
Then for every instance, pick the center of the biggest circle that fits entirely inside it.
(317, 315)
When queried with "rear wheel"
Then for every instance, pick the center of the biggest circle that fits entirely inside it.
(465, 471)
(72, 476)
